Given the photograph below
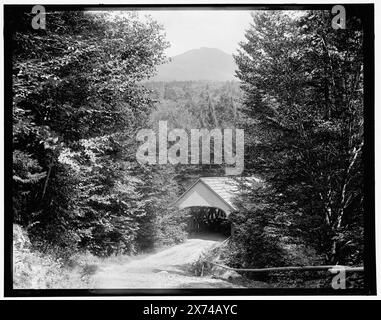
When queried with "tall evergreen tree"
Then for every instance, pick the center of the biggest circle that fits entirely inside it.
(303, 87)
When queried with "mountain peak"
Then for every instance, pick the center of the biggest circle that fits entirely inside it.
(198, 64)
(211, 49)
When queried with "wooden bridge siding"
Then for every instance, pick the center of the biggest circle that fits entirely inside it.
(202, 196)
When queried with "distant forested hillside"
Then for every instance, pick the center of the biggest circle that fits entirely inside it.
(198, 64)
(196, 104)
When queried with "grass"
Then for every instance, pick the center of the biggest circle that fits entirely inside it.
(35, 270)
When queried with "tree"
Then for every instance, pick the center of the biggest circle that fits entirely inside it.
(77, 103)
(302, 83)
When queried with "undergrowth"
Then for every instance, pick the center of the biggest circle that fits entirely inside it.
(33, 269)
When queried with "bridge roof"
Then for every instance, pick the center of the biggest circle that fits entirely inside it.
(216, 192)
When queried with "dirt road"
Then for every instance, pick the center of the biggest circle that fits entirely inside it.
(168, 268)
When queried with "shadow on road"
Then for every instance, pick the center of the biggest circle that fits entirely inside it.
(208, 236)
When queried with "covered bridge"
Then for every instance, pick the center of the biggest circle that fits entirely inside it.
(215, 192)
(211, 201)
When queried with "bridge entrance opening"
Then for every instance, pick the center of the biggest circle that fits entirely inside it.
(208, 221)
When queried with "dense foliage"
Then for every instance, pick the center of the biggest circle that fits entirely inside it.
(303, 89)
(77, 106)
(81, 92)
(197, 104)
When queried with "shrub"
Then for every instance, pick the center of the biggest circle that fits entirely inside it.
(37, 270)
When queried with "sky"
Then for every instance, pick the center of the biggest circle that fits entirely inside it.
(193, 29)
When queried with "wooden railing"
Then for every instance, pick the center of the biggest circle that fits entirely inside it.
(331, 268)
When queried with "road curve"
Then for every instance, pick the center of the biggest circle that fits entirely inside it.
(168, 268)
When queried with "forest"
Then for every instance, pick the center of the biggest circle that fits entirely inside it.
(82, 89)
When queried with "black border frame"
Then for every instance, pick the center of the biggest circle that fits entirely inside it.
(366, 11)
